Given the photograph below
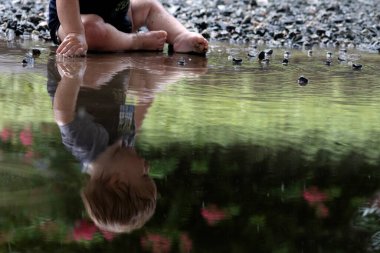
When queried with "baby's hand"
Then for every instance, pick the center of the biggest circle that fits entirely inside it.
(72, 68)
(74, 44)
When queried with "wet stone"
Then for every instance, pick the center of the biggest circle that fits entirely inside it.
(268, 52)
(261, 56)
(36, 52)
(237, 61)
(357, 66)
(181, 62)
(302, 81)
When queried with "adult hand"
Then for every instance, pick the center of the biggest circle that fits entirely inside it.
(74, 44)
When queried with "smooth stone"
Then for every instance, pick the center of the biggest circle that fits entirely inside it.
(357, 66)
(302, 81)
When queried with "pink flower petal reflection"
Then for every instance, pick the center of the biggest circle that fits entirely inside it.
(212, 214)
(26, 137)
(186, 244)
(84, 230)
(5, 134)
(313, 195)
(109, 236)
(316, 199)
(156, 243)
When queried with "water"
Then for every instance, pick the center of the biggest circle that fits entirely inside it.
(244, 159)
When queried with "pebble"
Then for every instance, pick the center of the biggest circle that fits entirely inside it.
(181, 62)
(36, 52)
(237, 61)
(302, 81)
(357, 66)
(268, 52)
(261, 56)
(290, 23)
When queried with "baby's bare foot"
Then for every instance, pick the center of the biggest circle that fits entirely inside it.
(153, 40)
(190, 42)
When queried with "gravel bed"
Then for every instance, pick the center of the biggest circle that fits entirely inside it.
(276, 23)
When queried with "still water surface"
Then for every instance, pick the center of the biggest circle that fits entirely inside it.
(244, 159)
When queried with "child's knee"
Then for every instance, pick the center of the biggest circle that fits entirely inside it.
(96, 33)
(145, 5)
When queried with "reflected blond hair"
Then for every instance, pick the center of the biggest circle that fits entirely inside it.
(116, 206)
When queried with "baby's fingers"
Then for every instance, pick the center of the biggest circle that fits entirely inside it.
(74, 50)
(71, 49)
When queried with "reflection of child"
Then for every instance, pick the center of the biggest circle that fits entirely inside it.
(79, 25)
(120, 196)
(99, 129)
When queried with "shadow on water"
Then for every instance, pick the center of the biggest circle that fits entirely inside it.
(243, 158)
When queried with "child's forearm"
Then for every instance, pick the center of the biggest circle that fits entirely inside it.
(65, 100)
(69, 16)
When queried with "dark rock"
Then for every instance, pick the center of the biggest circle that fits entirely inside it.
(247, 20)
(181, 62)
(36, 52)
(278, 36)
(261, 56)
(268, 52)
(320, 32)
(261, 32)
(289, 21)
(237, 61)
(302, 81)
(357, 66)
(12, 24)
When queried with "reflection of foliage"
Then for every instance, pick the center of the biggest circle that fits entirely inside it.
(161, 168)
(213, 214)
(264, 185)
(18, 93)
(225, 110)
(270, 200)
(266, 192)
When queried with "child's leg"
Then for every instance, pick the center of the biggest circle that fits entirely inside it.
(152, 14)
(102, 36)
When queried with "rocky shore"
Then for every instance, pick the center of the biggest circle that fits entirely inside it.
(275, 23)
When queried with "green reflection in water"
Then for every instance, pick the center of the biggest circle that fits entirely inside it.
(338, 111)
(245, 160)
(24, 98)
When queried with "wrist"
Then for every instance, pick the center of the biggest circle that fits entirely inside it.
(75, 33)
